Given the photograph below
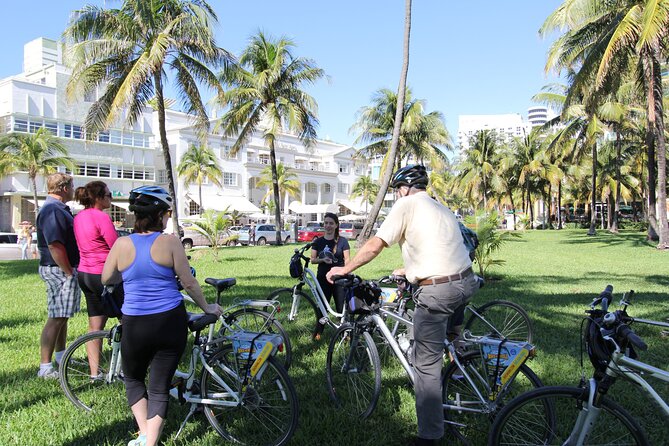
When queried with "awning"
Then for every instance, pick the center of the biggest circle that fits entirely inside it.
(73, 205)
(299, 208)
(122, 204)
(352, 217)
(223, 202)
(356, 205)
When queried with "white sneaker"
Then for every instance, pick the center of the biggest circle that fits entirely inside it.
(50, 373)
(139, 441)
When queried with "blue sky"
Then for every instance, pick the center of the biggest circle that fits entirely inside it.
(475, 57)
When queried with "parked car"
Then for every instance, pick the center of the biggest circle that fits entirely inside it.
(265, 234)
(192, 237)
(314, 224)
(123, 232)
(9, 250)
(350, 230)
(8, 237)
(309, 234)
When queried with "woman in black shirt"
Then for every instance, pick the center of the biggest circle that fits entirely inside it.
(329, 251)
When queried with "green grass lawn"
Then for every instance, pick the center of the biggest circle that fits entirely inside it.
(553, 274)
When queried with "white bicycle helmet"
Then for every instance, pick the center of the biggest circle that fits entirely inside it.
(149, 200)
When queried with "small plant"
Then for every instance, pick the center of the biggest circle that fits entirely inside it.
(213, 226)
(491, 239)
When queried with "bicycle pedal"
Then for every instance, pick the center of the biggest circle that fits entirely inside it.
(324, 320)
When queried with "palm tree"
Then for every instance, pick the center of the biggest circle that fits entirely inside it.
(478, 166)
(126, 51)
(38, 153)
(421, 134)
(286, 179)
(199, 164)
(397, 125)
(604, 39)
(266, 93)
(367, 189)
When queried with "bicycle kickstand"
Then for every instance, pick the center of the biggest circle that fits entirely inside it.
(193, 408)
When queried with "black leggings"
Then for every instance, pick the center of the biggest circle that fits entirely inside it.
(157, 340)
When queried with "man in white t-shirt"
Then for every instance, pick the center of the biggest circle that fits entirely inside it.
(436, 259)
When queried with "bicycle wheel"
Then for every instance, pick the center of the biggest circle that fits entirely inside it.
(85, 388)
(508, 318)
(267, 413)
(253, 319)
(301, 312)
(472, 422)
(353, 371)
(548, 416)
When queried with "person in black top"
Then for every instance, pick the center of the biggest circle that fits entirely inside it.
(329, 251)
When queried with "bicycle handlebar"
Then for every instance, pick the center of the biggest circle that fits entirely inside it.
(614, 325)
(605, 298)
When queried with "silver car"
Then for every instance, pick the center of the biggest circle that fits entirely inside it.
(192, 237)
(265, 234)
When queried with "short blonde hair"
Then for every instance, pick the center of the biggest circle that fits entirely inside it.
(56, 182)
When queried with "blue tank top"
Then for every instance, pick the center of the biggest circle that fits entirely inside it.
(149, 288)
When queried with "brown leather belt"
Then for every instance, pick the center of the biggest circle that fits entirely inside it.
(446, 279)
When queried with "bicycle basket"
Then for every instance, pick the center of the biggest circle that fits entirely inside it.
(295, 268)
(363, 298)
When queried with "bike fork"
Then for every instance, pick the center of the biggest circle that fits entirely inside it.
(294, 307)
(586, 419)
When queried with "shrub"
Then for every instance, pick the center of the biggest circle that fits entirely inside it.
(491, 239)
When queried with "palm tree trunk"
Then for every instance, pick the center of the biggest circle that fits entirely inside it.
(616, 211)
(559, 205)
(661, 150)
(275, 188)
(34, 185)
(199, 192)
(593, 196)
(650, 143)
(399, 116)
(167, 157)
(513, 208)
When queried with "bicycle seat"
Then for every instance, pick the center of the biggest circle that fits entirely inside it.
(197, 321)
(221, 284)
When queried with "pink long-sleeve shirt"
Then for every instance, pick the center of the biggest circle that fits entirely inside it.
(95, 234)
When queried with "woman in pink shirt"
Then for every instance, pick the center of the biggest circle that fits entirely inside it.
(95, 234)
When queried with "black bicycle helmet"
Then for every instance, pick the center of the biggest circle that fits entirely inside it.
(413, 176)
(149, 200)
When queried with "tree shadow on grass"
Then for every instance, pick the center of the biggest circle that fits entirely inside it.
(18, 268)
(629, 239)
(38, 389)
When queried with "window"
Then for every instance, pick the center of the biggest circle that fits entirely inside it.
(193, 208)
(104, 170)
(229, 179)
(20, 125)
(127, 139)
(311, 188)
(52, 127)
(34, 126)
(115, 137)
(343, 168)
(343, 188)
(77, 133)
(226, 153)
(148, 174)
(264, 159)
(103, 136)
(162, 176)
(327, 188)
(91, 170)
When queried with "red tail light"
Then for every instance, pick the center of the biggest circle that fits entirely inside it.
(280, 348)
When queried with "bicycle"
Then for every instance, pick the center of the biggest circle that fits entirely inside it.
(239, 377)
(475, 384)
(497, 318)
(318, 309)
(585, 415)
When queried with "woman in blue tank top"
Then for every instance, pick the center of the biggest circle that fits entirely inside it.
(154, 316)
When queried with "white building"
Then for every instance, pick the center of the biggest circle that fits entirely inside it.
(539, 115)
(126, 158)
(506, 126)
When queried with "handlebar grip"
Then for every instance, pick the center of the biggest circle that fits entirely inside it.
(627, 333)
(606, 297)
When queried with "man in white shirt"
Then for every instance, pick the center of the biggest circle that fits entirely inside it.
(436, 259)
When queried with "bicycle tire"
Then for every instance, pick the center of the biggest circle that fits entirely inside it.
(75, 374)
(472, 426)
(253, 319)
(269, 396)
(547, 416)
(508, 318)
(307, 315)
(356, 390)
